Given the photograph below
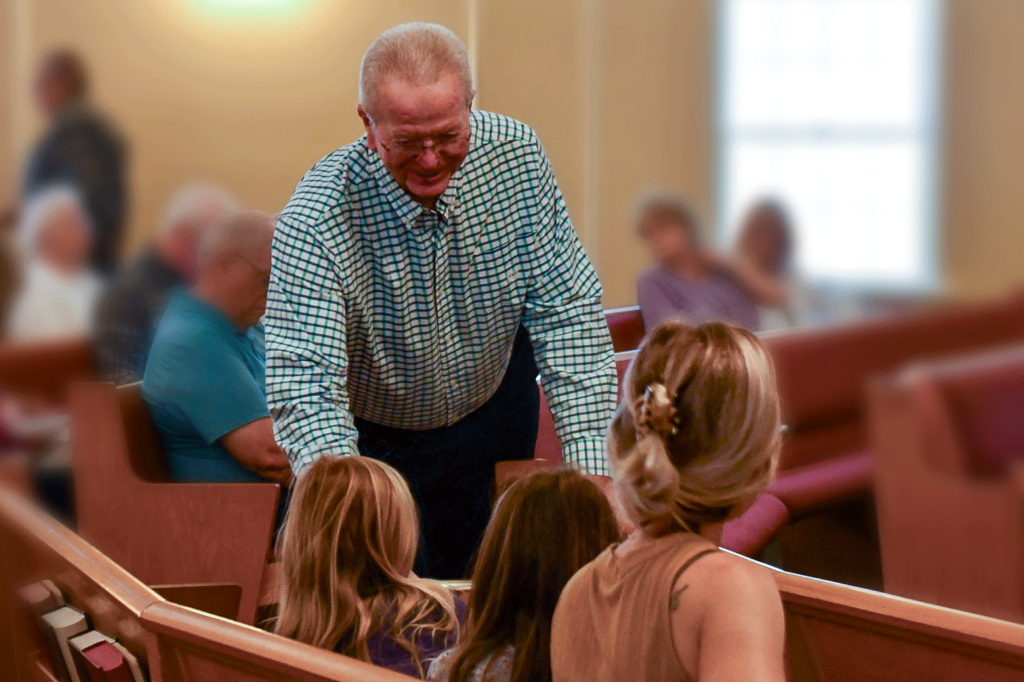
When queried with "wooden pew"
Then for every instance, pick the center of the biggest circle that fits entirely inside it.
(35, 547)
(837, 633)
(194, 646)
(834, 632)
(823, 374)
(44, 371)
(163, 532)
(948, 439)
(626, 326)
(175, 643)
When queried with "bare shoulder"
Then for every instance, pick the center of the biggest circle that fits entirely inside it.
(724, 580)
(727, 620)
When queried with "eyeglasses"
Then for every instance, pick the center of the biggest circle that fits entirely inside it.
(443, 145)
(262, 274)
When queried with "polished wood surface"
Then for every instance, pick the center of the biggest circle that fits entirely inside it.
(947, 537)
(175, 642)
(840, 633)
(164, 533)
(196, 646)
(35, 547)
(217, 599)
(43, 371)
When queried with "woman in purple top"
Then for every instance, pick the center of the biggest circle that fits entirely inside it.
(690, 281)
(346, 563)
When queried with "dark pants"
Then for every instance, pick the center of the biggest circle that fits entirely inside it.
(450, 470)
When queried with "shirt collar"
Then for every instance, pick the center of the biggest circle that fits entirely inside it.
(407, 208)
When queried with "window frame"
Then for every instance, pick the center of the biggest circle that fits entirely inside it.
(930, 136)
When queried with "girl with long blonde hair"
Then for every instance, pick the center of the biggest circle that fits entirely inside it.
(695, 439)
(346, 553)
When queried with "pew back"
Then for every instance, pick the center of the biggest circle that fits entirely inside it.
(822, 372)
(626, 326)
(195, 646)
(44, 371)
(951, 533)
(176, 643)
(840, 633)
(34, 547)
(164, 533)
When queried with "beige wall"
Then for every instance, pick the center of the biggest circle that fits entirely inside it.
(249, 104)
(984, 146)
(620, 92)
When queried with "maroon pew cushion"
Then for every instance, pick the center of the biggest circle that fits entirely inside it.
(626, 326)
(821, 372)
(810, 487)
(751, 532)
(988, 413)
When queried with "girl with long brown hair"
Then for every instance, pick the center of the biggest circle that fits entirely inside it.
(346, 554)
(695, 439)
(544, 528)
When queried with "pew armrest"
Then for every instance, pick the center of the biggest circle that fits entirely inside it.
(751, 532)
(811, 487)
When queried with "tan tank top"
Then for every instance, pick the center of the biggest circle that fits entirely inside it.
(612, 622)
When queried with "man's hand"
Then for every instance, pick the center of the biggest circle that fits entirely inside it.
(608, 488)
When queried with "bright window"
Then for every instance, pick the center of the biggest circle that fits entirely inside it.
(830, 106)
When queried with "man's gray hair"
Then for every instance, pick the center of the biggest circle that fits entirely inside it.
(42, 208)
(193, 207)
(244, 232)
(418, 53)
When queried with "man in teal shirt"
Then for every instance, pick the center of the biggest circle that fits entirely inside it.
(205, 381)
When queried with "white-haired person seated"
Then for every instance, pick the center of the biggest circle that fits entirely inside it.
(133, 304)
(695, 440)
(58, 292)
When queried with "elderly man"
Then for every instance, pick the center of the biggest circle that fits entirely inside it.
(138, 295)
(416, 272)
(205, 378)
(58, 293)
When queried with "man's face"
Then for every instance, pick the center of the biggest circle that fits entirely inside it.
(247, 276)
(421, 133)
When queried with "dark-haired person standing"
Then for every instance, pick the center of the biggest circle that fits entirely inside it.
(422, 275)
(82, 149)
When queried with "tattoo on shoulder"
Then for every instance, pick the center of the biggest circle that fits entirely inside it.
(673, 602)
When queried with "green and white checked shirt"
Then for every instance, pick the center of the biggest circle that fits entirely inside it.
(405, 316)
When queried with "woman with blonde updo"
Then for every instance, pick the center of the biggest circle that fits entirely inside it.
(694, 441)
(347, 551)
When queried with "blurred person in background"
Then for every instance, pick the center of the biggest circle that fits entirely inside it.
(764, 252)
(205, 380)
(58, 293)
(132, 306)
(80, 148)
(691, 281)
(765, 245)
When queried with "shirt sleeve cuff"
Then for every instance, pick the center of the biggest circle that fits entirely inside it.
(588, 454)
